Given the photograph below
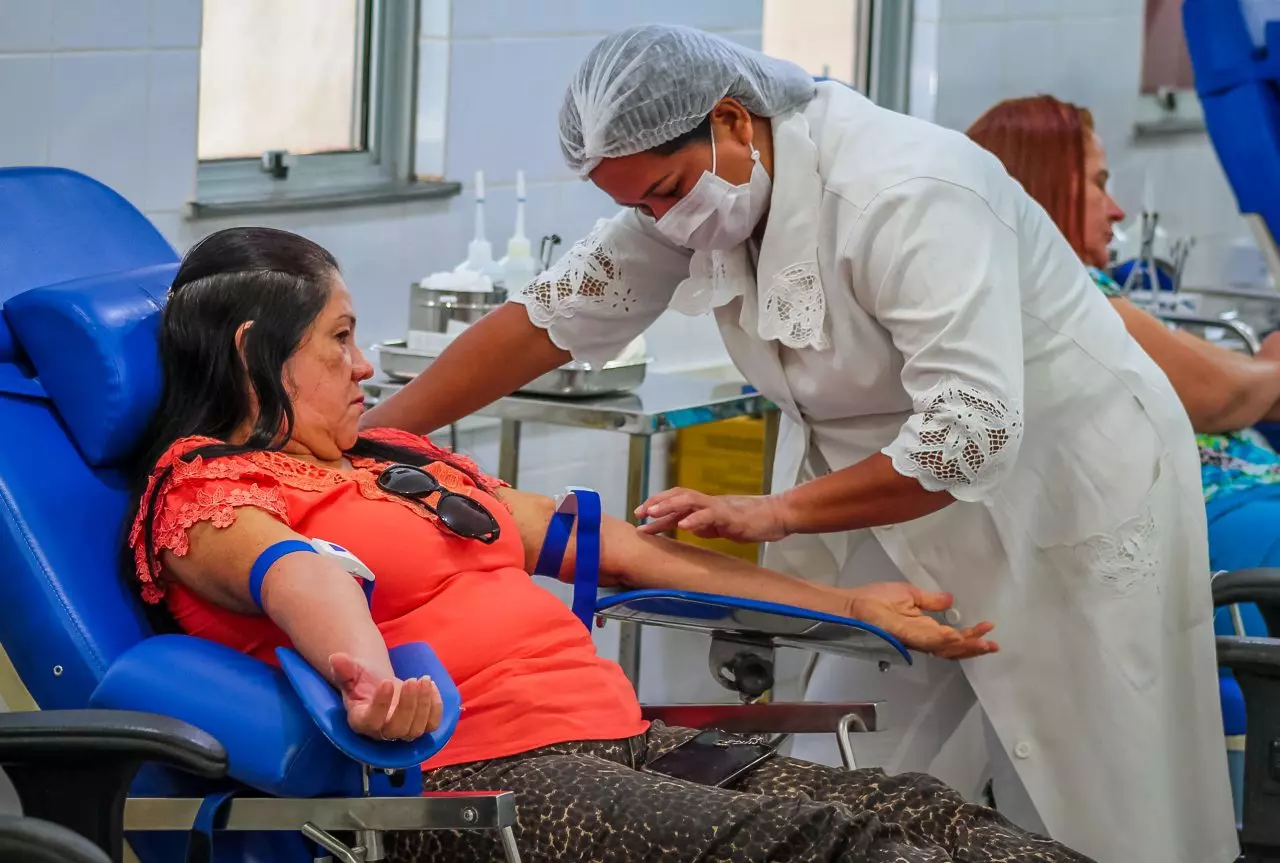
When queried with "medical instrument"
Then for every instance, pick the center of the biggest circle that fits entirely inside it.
(546, 249)
(351, 564)
(444, 304)
(519, 266)
(401, 364)
(480, 250)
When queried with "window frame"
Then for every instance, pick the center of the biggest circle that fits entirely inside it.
(383, 170)
(887, 73)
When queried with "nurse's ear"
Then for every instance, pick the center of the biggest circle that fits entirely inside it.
(732, 122)
(738, 134)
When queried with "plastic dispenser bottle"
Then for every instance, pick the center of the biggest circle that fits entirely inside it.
(519, 266)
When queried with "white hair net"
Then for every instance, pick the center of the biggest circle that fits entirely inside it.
(649, 85)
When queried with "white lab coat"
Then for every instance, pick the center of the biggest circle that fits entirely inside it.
(914, 300)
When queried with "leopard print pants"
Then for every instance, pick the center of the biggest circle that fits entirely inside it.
(591, 801)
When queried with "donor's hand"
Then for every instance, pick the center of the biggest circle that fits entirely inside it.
(388, 708)
(900, 609)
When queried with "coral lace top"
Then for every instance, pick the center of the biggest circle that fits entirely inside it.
(526, 667)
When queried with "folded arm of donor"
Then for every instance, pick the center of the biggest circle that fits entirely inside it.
(257, 442)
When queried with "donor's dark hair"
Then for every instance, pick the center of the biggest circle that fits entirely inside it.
(278, 281)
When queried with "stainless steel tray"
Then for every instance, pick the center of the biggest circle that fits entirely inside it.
(572, 380)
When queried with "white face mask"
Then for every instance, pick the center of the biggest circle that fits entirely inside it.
(717, 215)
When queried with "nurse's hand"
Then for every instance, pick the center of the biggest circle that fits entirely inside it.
(900, 609)
(739, 517)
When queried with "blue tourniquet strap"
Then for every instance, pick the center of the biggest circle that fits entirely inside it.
(268, 557)
(581, 504)
(210, 816)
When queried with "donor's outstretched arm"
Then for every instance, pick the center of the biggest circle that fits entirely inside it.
(638, 560)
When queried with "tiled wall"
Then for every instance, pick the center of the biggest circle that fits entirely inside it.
(109, 87)
(969, 54)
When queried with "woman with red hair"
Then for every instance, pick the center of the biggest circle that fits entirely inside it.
(1051, 148)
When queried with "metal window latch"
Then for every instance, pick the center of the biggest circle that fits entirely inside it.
(276, 163)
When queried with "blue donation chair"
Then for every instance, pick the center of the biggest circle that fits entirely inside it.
(1235, 52)
(192, 750)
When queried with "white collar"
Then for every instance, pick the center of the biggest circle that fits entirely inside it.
(792, 307)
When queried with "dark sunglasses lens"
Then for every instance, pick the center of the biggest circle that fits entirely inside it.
(465, 517)
(408, 481)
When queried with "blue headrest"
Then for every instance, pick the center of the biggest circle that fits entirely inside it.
(93, 344)
(58, 225)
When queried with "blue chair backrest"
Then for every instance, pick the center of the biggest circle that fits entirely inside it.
(83, 277)
(1235, 52)
(83, 280)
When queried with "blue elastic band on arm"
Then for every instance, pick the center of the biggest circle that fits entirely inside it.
(582, 505)
(586, 571)
(267, 559)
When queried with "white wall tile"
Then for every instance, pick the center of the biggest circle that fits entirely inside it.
(434, 17)
(959, 106)
(99, 120)
(26, 25)
(714, 15)
(433, 105)
(969, 70)
(592, 16)
(922, 95)
(175, 23)
(1032, 58)
(171, 129)
(1021, 10)
(1102, 9)
(170, 224)
(482, 19)
(926, 10)
(26, 103)
(98, 24)
(504, 100)
(973, 10)
(486, 19)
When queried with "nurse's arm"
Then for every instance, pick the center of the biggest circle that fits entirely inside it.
(632, 559)
(870, 493)
(579, 308)
(938, 268)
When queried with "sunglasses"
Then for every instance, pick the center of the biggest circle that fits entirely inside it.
(462, 515)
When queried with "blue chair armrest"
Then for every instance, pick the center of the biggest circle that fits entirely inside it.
(246, 705)
(273, 742)
(784, 625)
(324, 704)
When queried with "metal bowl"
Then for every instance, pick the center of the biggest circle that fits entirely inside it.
(432, 309)
(572, 380)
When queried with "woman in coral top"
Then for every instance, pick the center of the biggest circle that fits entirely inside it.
(256, 443)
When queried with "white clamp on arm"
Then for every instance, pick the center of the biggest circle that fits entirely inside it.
(349, 563)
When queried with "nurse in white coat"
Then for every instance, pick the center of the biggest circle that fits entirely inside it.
(962, 410)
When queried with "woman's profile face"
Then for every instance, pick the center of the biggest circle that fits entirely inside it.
(653, 182)
(323, 380)
(1101, 211)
